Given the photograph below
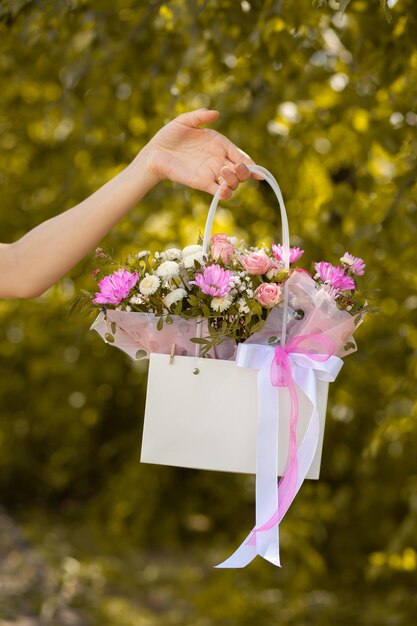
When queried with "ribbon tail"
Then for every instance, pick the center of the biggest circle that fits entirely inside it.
(294, 476)
(265, 543)
(241, 557)
(308, 445)
(287, 486)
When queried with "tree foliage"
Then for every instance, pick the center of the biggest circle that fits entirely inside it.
(327, 101)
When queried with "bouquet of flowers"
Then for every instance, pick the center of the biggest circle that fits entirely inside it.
(234, 292)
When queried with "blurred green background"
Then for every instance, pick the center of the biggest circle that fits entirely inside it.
(89, 536)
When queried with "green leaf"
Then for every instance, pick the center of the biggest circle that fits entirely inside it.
(256, 308)
(109, 338)
(141, 354)
(257, 326)
(199, 340)
(193, 300)
(113, 327)
(281, 276)
(160, 323)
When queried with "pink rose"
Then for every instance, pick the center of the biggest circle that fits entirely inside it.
(256, 263)
(275, 268)
(268, 294)
(221, 247)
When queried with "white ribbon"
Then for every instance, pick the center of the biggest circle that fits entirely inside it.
(305, 371)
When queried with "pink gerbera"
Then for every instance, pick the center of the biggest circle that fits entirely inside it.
(278, 250)
(214, 281)
(116, 287)
(334, 276)
(353, 263)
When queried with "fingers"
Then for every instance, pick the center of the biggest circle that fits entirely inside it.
(240, 160)
(198, 117)
(226, 192)
(240, 170)
(229, 177)
(232, 175)
(236, 155)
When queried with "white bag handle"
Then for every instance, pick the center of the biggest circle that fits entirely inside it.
(265, 175)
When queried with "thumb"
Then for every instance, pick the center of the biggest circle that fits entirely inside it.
(198, 117)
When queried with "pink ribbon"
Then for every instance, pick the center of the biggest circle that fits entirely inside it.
(321, 350)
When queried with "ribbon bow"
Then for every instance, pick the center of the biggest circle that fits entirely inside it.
(302, 361)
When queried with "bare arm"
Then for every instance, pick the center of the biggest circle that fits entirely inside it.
(180, 151)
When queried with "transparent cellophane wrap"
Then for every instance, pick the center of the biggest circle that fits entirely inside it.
(136, 333)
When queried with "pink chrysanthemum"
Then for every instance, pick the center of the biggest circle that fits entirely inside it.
(355, 264)
(116, 287)
(214, 281)
(278, 250)
(334, 276)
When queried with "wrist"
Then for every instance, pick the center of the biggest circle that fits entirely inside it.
(146, 166)
(142, 172)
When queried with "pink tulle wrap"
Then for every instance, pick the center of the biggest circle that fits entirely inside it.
(137, 335)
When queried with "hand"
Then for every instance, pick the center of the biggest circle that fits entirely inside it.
(200, 158)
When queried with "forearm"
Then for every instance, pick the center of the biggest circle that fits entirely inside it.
(181, 151)
(47, 252)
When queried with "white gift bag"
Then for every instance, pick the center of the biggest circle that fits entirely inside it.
(203, 413)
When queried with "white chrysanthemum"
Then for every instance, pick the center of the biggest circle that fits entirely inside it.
(142, 254)
(249, 293)
(168, 270)
(173, 254)
(149, 285)
(190, 258)
(191, 250)
(220, 304)
(136, 300)
(174, 296)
